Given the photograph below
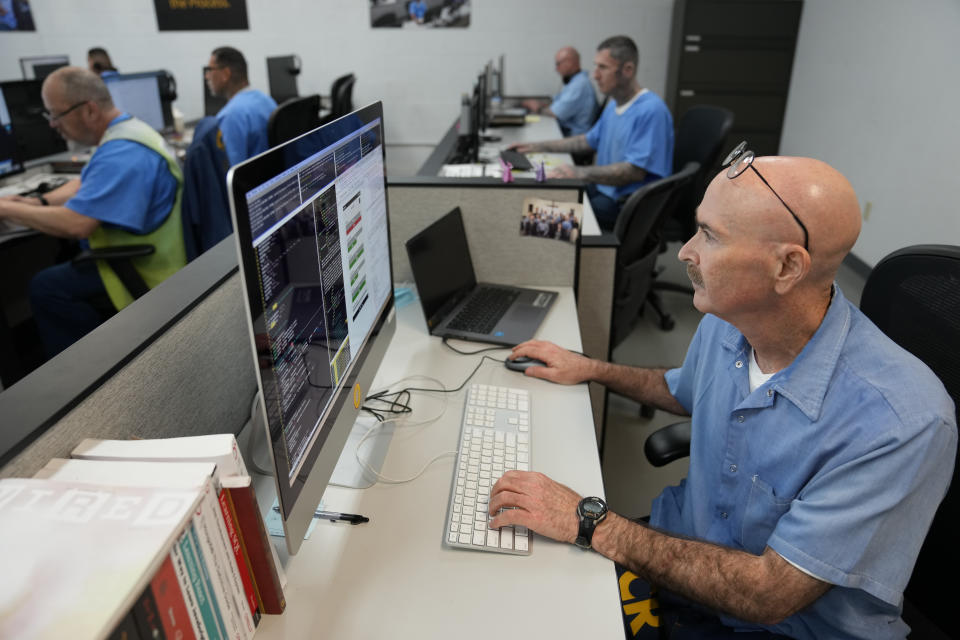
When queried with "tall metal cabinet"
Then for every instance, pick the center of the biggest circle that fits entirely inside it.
(736, 54)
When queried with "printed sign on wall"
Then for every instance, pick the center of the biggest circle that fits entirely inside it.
(201, 15)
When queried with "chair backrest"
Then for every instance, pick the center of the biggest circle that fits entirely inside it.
(701, 136)
(341, 96)
(293, 118)
(205, 208)
(913, 296)
(638, 231)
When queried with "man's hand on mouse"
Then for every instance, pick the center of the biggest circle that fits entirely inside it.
(563, 367)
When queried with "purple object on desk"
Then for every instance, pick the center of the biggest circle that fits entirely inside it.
(507, 170)
(541, 173)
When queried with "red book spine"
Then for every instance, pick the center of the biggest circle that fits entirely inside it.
(240, 556)
(172, 608)
(256, 543)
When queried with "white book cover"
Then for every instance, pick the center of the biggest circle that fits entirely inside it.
(211, 529)
(78, 555)
(220, 448)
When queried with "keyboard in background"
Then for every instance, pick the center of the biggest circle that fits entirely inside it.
(494, 438)
(42, 183)
(519, 161)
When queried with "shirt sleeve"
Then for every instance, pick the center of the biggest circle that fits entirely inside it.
(650, 142)
(234, 137)
(681, 381)
(861, 524)
(116, 187)
(566, 103)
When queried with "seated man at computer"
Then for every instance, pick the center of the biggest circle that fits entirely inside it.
(575, 105)
(633, 137)
(820, 448)
(98, 61)
(129, 193)
(243, 121)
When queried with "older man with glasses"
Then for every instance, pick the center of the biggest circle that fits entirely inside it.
(129, 193)
(820, 449)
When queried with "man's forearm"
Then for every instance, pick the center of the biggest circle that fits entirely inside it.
(763, 589)
(573, 144)
(645, 385)
(56, 221)
(616, 174)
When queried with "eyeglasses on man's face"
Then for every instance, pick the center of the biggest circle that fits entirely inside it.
(53, 117)
(739, 160)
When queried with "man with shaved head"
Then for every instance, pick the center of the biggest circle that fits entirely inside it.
(575, 107)
(820, 449)
(129, 193)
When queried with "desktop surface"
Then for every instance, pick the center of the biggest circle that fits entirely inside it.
(395, 573)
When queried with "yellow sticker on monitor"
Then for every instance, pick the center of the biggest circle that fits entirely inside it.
(357, 396)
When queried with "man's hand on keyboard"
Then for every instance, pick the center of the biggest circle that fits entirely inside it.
(533, 500)
(563, 367)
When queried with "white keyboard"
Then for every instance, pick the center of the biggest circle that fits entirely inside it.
(494, 438)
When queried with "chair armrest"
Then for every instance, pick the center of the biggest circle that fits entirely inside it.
(668, 443)
(114, 253)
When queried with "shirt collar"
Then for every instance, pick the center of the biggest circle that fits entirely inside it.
(805, 381)
(626, 105)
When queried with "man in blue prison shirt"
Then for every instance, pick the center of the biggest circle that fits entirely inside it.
(575, 106)
(820, 449)
(633, 137)
(126, 194)
(243, 120)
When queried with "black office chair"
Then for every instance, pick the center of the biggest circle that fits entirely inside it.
(294, 117)
(913, 296)
(638, 230)
(341, 98)
(701, 138)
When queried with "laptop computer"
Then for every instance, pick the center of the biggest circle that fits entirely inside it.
(455, 305)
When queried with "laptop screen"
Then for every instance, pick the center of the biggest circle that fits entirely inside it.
(441, 265)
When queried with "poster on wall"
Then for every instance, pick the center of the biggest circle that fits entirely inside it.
(201, 15)
(419, 14)
(15, 15)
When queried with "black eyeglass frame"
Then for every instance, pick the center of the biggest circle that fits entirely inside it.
(738, 160)
(51, 118)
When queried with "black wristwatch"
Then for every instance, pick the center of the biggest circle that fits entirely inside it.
(43, 201)
(591, 512)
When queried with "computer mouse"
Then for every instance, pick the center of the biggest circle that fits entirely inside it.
(522, 363)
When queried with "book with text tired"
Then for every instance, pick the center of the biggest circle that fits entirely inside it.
(252, 543)
(79, 555)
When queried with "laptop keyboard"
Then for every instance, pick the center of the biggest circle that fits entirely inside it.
(483, 310)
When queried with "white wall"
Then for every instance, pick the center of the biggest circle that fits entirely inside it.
(419, 74)
(875, 92)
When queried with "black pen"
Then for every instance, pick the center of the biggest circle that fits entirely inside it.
(335, 516)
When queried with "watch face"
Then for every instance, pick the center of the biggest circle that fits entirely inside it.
(593, 507)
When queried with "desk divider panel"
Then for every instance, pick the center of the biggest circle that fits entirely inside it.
(196, 376)
(491, 214)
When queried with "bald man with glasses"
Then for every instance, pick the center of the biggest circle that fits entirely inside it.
(129, 193)
(820, 449)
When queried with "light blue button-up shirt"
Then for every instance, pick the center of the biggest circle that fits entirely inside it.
(837, 463)
(243, 123)
(576, 105)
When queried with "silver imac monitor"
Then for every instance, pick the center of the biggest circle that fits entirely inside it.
(39, 67)
(313, 242)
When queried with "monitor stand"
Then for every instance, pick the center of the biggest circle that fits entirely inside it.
(348, 472)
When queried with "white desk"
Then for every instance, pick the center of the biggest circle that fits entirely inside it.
(393, 578)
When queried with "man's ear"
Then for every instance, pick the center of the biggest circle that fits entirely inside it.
(794, 265)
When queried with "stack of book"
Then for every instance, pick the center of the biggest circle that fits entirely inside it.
(137, 539)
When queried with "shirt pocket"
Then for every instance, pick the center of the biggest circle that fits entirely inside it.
(764, 509)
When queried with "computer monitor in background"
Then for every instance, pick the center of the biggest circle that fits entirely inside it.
(282, 74)
(139, 95)
(211, 103)
(9, 159)
(501, 70)
(39, 67)
(313, 241)
(33, 134)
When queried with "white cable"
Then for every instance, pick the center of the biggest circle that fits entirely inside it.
(402, 422)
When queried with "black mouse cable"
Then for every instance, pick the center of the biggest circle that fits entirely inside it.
(470, 353)
(397, 406)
